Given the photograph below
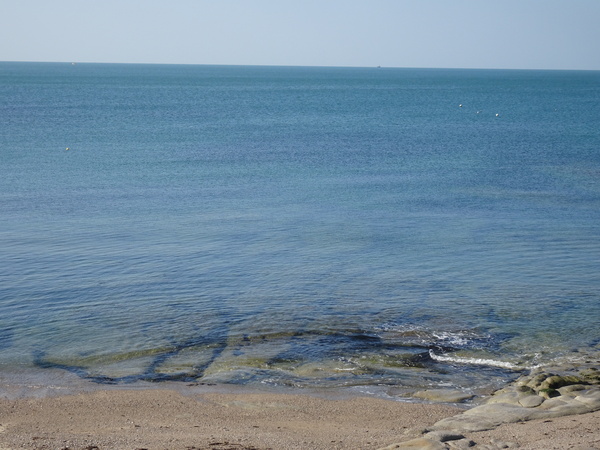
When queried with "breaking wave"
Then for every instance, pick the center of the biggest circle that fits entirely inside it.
(476, 361)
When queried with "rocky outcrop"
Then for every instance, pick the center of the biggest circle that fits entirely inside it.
(539, 395)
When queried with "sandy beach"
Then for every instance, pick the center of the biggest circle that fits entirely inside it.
(176, 419)
(164, 419)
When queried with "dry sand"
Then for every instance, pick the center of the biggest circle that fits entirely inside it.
(163, 419)
(168, 419)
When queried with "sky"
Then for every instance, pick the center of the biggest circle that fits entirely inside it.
(507, 34)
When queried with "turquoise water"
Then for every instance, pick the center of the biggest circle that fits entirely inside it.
(380, 229)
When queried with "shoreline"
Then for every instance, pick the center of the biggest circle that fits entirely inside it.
(551, 408)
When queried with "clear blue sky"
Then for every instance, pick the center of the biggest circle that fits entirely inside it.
(525, 34)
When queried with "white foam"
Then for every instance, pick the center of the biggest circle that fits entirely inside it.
(457, 339)
(475, 361)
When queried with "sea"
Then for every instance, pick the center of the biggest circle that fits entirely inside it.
(375, 231)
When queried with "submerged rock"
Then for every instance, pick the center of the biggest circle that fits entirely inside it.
(443, 395)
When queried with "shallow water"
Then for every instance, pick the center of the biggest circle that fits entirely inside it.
(311, 227)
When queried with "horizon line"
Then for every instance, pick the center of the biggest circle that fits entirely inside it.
(75, 62)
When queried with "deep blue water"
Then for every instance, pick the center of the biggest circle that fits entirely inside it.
(321, 227)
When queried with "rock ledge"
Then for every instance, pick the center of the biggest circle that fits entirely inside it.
(542, 394)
